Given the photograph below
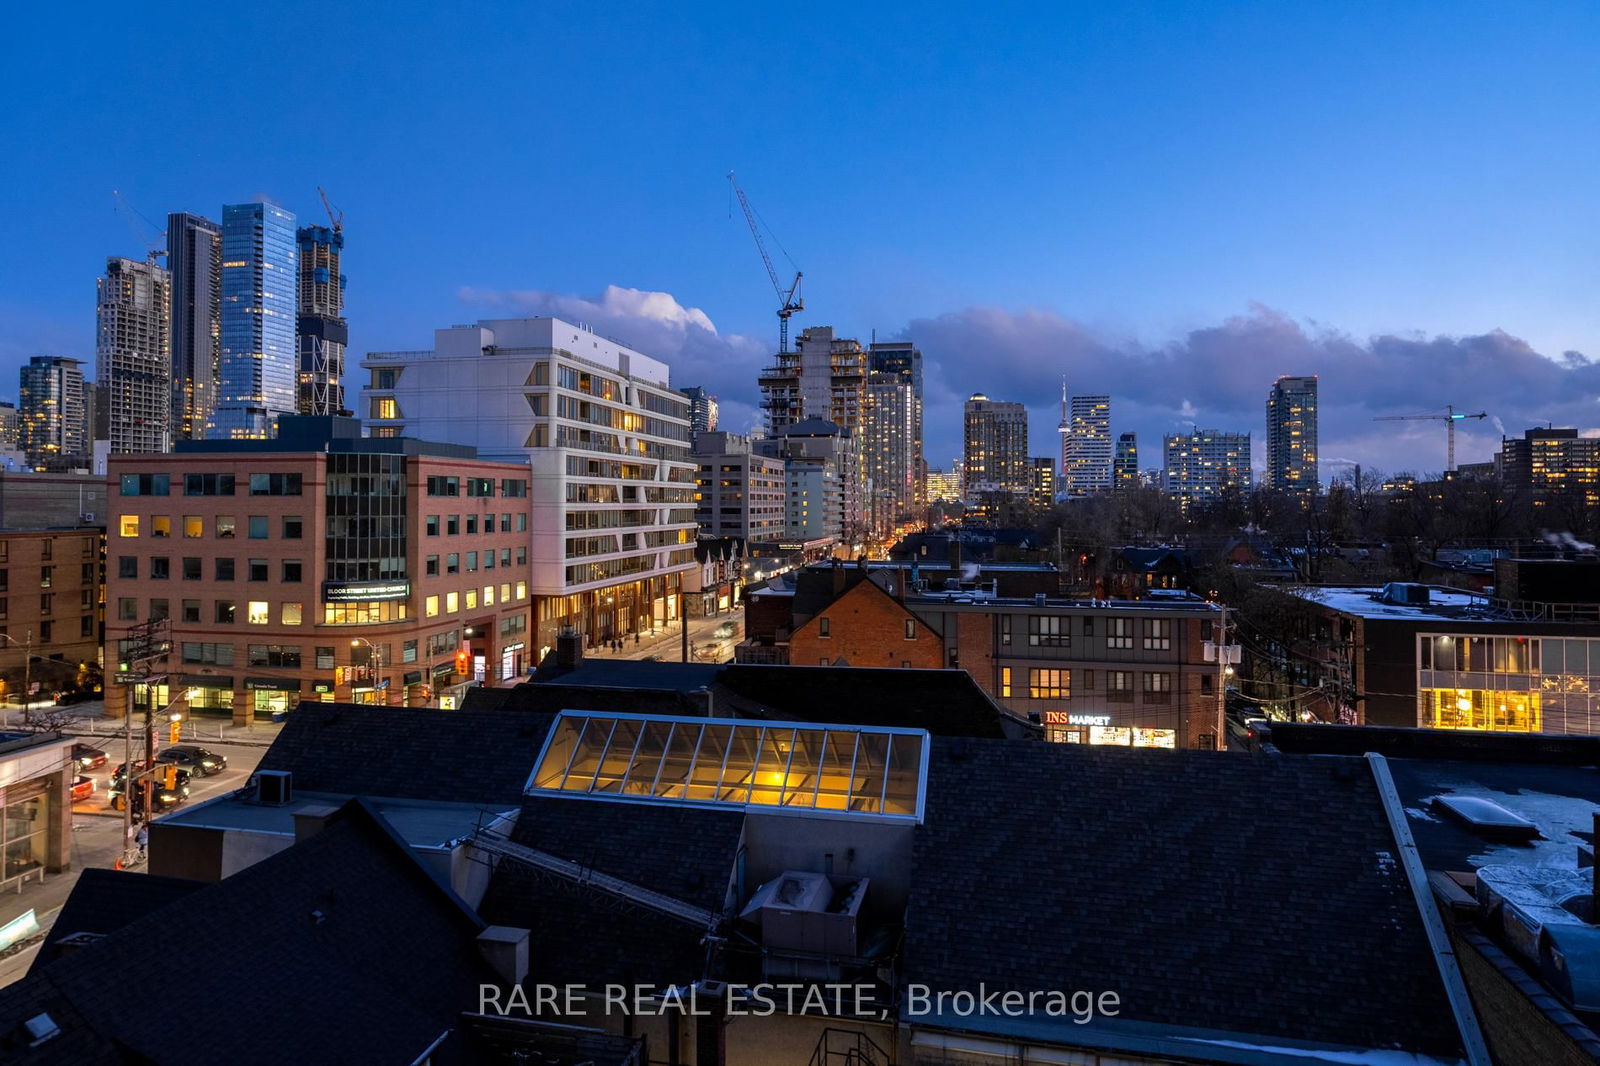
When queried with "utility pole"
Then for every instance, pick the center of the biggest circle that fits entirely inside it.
(1224, 654)
(683, 618)
(1222, 681)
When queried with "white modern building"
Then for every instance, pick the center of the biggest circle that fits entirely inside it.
(606, 436)
(1086, 449)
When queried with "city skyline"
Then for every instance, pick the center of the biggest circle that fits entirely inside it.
(1379, 249)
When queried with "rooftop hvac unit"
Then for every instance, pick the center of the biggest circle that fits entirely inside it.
(274, 788)
(808, 922)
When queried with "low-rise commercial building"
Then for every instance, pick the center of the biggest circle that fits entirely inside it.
(319, 565)
(36, 774)
(1095, 672)
(1415, 655)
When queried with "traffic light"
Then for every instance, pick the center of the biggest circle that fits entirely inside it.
(463, 661)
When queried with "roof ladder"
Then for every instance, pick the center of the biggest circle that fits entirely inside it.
(578, 874)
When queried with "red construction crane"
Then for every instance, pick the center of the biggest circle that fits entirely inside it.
(789, 300)
(1450, 417)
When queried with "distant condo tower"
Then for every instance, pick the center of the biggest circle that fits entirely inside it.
(259, 283)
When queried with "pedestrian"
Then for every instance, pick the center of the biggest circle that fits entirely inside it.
(141, 839)
(636, 639)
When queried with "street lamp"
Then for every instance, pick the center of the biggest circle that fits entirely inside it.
(27, 670)
(377, 665)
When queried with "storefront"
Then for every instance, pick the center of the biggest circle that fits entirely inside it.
(272, 695)
(207, 694)
(35, 810)
(1064, 727)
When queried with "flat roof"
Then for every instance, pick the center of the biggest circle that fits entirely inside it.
(1361, 601)
(877, 772)
(420, 823)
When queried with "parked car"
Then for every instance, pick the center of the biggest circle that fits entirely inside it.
(193, 758)
(87, 757)
(181, 782)
(82, 788)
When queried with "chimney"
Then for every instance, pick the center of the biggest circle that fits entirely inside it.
(702, 700)
(838, 578)
(955, 553)
(309, 821)
(569, 649)
(505, 949)
(901, 582)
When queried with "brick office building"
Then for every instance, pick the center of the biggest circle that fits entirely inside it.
(50, 610)
(319, 565)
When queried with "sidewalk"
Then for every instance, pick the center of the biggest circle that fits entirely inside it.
(91, 721)
(667, 643)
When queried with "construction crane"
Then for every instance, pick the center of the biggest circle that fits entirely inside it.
(153, 237)
(1450, 417)
(335, 218)
(789, 300)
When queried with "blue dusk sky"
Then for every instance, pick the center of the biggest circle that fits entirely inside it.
(1169, 202)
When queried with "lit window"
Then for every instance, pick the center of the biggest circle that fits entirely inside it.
(1048, 684)
(472, 599)
(1005, 681)
(452, 602)
(522, 590)
(128, 525)
(385, 407)
(488, 595)
(430, 607)
(193, 526)
(258, 613)
(161, 526)
(293, 613)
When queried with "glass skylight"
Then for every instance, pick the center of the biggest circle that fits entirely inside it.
(717, 761)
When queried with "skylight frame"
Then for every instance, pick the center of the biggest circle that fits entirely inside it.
(861, 795)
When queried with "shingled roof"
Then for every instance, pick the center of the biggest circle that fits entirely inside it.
(944, 702)
(345, 927)
(409, 752)
(1258, 896)
(103, 901)
(582, 936)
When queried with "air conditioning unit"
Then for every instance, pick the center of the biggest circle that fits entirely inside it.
(274, 788)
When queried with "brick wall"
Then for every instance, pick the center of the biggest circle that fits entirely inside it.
(866, 627)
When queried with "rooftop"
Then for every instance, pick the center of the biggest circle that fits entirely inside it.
(1363, 601)
(792, 766)
(420, 823)
(324, 433)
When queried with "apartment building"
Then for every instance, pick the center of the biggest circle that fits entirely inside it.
(605, 437)
(134, 355)
(1292, 435)
(994, 447)
(1086, 450)
(1205, 464)
(320, 565)
(54, 423)
(740, 492)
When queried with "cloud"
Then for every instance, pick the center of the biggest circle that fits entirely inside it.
(1220, 375)
(1217, 375)
(654, 323)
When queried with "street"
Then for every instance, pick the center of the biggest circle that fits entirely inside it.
(97, 837)
(667, 644)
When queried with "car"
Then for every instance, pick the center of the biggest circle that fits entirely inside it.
(194, 758)
(180, 782)
(164, 797)
(82, 788)
(88, 757)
